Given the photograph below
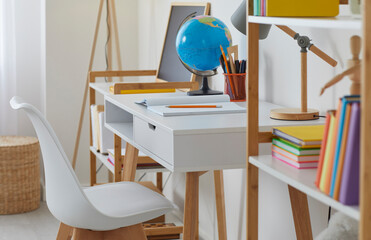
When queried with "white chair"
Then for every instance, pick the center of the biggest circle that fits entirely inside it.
(110, 211)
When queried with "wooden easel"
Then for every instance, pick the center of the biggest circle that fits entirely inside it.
(112, 23)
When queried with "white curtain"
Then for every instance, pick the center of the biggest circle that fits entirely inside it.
(8, 117)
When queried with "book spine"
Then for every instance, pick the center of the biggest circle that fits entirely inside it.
(338, 145)
(349, 190)
(323, 149)
(342, 153)
(326, 161)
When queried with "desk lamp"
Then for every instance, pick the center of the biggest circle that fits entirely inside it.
(302, 113)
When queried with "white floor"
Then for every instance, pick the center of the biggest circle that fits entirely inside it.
(36, 225)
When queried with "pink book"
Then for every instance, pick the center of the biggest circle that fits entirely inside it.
(288, 161)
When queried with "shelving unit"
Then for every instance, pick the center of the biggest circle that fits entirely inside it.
(341, 22)
(301, 182)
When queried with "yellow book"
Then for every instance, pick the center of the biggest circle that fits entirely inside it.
(301, 135)
(141, 91)
(342, 152)
(300, 8)
(326, 161)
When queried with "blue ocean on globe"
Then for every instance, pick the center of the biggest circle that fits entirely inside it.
(198, 42)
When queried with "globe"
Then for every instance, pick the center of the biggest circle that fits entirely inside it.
(198, 42)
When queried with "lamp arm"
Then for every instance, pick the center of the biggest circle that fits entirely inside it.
(323, 55)
(340, 76)
(288, 31)
(307, 44)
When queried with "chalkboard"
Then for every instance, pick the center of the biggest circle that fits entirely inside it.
(170, 68)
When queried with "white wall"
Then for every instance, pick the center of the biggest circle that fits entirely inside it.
(24, 62)
(280, 83)
(70, 27)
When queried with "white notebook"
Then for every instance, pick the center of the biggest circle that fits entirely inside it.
(160, 105)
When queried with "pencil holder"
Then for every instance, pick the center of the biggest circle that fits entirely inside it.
(234, 86)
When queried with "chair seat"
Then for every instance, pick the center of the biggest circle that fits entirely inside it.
(128, 200)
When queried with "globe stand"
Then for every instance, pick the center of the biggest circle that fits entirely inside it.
(204, 90)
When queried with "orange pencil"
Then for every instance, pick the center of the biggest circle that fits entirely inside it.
(226, 67)
(194, 106)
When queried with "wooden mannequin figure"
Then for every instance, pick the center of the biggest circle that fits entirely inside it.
(354, 70)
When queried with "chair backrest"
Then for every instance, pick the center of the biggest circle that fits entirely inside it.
(64, 195)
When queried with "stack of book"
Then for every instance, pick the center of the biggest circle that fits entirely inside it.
(290, 8)
(338, 170)
(298, 146)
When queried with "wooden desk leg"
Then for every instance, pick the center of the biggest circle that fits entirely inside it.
(300, 212)
(93, 169)
(118, 162)
(220, 204)
(191, 206)
(130, 163)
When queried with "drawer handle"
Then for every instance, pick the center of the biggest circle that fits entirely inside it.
(152, 127)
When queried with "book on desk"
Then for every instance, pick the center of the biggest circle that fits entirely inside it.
(191, 105)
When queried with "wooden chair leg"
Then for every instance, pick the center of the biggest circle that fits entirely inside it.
(127, 233)
(130, 163)
(300, 212)
(220, 204)
(190, 206)
(159, 181)
(64, 232)
(82, 234)
(135, 232)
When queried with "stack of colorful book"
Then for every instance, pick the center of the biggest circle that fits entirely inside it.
(291, 8)
(338, 170)
(298, 146)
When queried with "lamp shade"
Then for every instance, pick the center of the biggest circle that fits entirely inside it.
(238, 20)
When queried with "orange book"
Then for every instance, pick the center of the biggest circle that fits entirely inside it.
(323, 149)
(330, 139)
(328, 173)
(342, 152)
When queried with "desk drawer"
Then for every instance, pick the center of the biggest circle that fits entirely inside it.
(155, 139)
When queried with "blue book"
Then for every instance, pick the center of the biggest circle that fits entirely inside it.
(345, 101)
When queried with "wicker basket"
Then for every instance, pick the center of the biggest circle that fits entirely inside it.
(19, 174)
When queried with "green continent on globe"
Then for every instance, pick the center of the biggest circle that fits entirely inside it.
(198, 42)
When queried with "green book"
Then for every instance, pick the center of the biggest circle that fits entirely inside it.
(256, 7)
(286, 145)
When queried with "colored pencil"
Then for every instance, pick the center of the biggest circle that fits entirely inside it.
(228, 71)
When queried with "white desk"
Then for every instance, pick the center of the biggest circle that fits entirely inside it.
(189, 144)
(185, 143)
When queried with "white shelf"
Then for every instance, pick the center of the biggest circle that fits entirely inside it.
(302, 180)
(123, 130)
(140, 170)
(102, 87)
(103, 159)
(340, 22)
